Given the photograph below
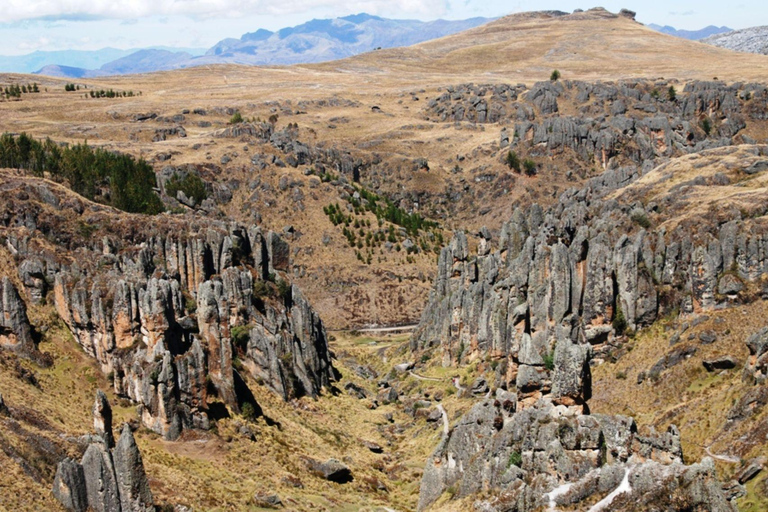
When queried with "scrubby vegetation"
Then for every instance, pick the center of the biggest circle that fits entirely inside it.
(529, 166)
(110, 93)
(393, 226)
(191, 185)
(513, 161)
(97, 174)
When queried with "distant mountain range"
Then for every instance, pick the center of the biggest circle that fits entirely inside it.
(75, 58)
(693, 35)
(749, 40)
(331, 39)
(314, 41)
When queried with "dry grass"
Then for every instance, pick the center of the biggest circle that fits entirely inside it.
(223, 469)
(686, 395)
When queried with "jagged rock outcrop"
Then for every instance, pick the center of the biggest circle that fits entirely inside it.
(756, 369)
(585, 270)
(749, 40)
(33, 277)
(107, 479)
(622, 124)
(15, 330)
(162, 351)
(547, 455)
(166, 308)
(132, 484)
(69, 486)
(555, 295)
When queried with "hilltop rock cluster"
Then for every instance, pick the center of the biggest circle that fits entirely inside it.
(617, 124)
(110, 477)
(173, 313)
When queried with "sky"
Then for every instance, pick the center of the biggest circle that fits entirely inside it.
(48, 25)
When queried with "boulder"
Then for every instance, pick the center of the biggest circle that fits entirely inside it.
(720, 363)
(331, 470)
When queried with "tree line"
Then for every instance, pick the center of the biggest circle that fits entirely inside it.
(104, 176)
(16, 90)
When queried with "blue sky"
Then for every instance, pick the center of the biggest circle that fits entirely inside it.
(29, 25)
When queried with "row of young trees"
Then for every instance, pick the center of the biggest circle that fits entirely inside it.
(97, 174)
(102, 93)
(16, 90)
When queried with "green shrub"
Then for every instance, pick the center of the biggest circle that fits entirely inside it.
(261, 289)
(240, 335)
(192, 185)
(236, 118)
(515, 459)
(549, 361)
(555, 76)
(641, 219)
(671, 93)
(706, 125)
(284, 289)
(513, 161)
(530, 167)
(619, 322)
(248, 411)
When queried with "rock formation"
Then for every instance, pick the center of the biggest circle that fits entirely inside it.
(107, 479)
(559, 291)
(749, 40)
(170, 308)
(627, 123)
(15, 331)
(549, 454)
(582, 272)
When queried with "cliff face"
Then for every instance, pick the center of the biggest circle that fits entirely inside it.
(172, 308)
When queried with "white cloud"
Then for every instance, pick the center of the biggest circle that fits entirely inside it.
(35, 44)
(18, 10)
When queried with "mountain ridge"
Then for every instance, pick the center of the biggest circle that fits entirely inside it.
(315, 41)
(693, 35)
